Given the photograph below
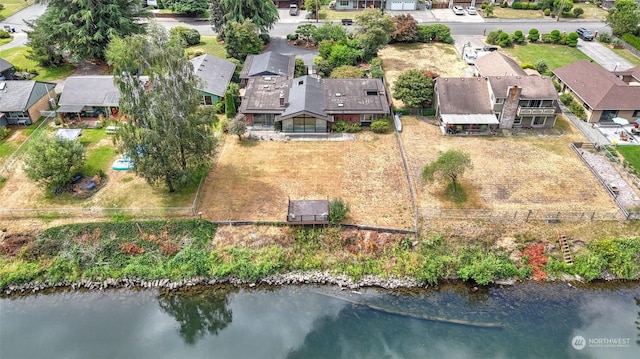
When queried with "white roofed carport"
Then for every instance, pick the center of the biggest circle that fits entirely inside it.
(476, 119)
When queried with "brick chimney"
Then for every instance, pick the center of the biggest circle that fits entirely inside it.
(510, 108)
(281, 99)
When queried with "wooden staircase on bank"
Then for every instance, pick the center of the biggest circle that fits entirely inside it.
(564, 248)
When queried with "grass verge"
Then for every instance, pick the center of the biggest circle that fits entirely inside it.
(628, 55)
(554, 55)
(508, 13)
(17, 56)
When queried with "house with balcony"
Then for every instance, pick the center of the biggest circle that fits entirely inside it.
(604, 94)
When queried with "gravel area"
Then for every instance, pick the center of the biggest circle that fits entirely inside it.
(627, 195)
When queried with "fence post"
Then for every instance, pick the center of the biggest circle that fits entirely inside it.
(528, 214)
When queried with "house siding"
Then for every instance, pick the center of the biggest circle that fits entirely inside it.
(41, 105)
(249, 119)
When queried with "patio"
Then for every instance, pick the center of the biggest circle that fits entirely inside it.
(619, 135)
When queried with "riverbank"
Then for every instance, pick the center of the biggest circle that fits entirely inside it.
(182, 253)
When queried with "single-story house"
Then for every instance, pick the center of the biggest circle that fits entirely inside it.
(463, 105)
(215, 74)
(268, 64)
(89, 96)
(22, 101)
(311, 105)
(603, 94)
(6, 70)
(378, 4)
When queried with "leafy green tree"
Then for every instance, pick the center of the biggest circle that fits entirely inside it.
(624, 17)
(343, 54)
(238, 127)
(534, 35)
(488, 10)
(493, 36)
(568, 5)
(435, 32)
(165, 135)
(306, 32)
(242, 39)
(41, 50)
(541, 66)
(263, 14)
(373, 31)
(451, 164)
(347, 72)
(300, 68)
(187, 36)
(329, 31)
(413, 88)
(406, 29)
(188, 6)
(578, 11)
(53, 161)
(82, 29)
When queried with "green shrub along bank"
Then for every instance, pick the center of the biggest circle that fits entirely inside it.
(184, 249)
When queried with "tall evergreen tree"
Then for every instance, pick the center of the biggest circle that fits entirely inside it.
(81, 29)
(166, 136)
(263, 13)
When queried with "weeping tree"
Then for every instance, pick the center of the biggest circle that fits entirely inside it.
(166, 137)
(451, 164)
(81, 29)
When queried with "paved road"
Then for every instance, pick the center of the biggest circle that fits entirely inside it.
(17, 21)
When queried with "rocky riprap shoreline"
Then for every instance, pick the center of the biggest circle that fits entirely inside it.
(295, 278)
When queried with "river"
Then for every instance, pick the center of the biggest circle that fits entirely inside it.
(536, 320)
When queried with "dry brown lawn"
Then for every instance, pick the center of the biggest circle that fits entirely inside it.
(253, 180)
(509, 173)
(439, 58)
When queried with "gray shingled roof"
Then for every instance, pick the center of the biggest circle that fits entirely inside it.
(305, 95)
(533, 87)
(262, 95)
(356, 96)
(598, 87)
(463, 96)
(5, 65)
(269, 63)
(498, 64)
(19, 96)
(214, 72)
(90, 91)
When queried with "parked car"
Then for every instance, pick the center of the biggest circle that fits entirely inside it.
(458, 10)
(294, 10)
(471, 10)
(584, 34)
(490, 48)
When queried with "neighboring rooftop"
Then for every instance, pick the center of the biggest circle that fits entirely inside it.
(215, 73)
(90, 91)
(304, 93)
(268, 64)
(600, 88)
(355, 95)
(498, 64)
(19, 96)
(533, 87)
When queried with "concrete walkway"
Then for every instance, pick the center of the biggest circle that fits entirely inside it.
(588, 130)
(603, 55)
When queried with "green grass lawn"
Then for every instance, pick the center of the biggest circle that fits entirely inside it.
(13, 6)
(628, 55)
(17, 56)
(99, 158)
(591, 11)
(631, 154)
(555, 55)
(6, 41)
(208, 45)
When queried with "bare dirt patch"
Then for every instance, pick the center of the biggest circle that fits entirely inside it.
(509, 173)
(253, 180)
(436, 57)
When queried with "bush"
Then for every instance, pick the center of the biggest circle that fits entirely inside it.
(505, 40)
(4, 132)
(484, 5)
(218, 107)
(604, 37)
(534, 35)
(527, 65)
(541, 66)
(346, 127)
(566, 99)
(533, 6)
(547, 12)
(381, 126)
(572, 39)
(503, 4)
(436, 32)
(578, 11)
(492, 38)
(518, 37)
(338, 210)
(375, 67)
(4, 34)
(187, 36)
(517, 5)
(555, 36)
(292, 37)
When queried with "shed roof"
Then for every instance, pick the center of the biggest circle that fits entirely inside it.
(5, 65)
(533, 87)
(215, 73)
(470, 119)
(90, 91)
(69, 134)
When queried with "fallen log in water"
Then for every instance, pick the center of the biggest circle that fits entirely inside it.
(417, 316)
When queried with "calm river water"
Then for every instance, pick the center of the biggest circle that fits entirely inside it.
(539, 321)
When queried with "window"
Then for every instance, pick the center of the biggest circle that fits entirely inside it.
(499, 100)
(367, 117)
(372, 93)
(538, 121)
(206, 100)
(344, 3)
(517, 121)
(636, 113)
(535, 103)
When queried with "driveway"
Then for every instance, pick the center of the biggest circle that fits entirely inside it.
(280, 45)
(447, 15)
(17, 21)
(603, 55)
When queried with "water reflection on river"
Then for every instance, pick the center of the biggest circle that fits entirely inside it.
(325, 322)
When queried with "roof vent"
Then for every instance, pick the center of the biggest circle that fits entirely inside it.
(265, 86)
(3, 85)
(338, 94)
(267, 78)
(340, 105)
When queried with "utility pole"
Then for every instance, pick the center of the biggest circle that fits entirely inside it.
(560, 11)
